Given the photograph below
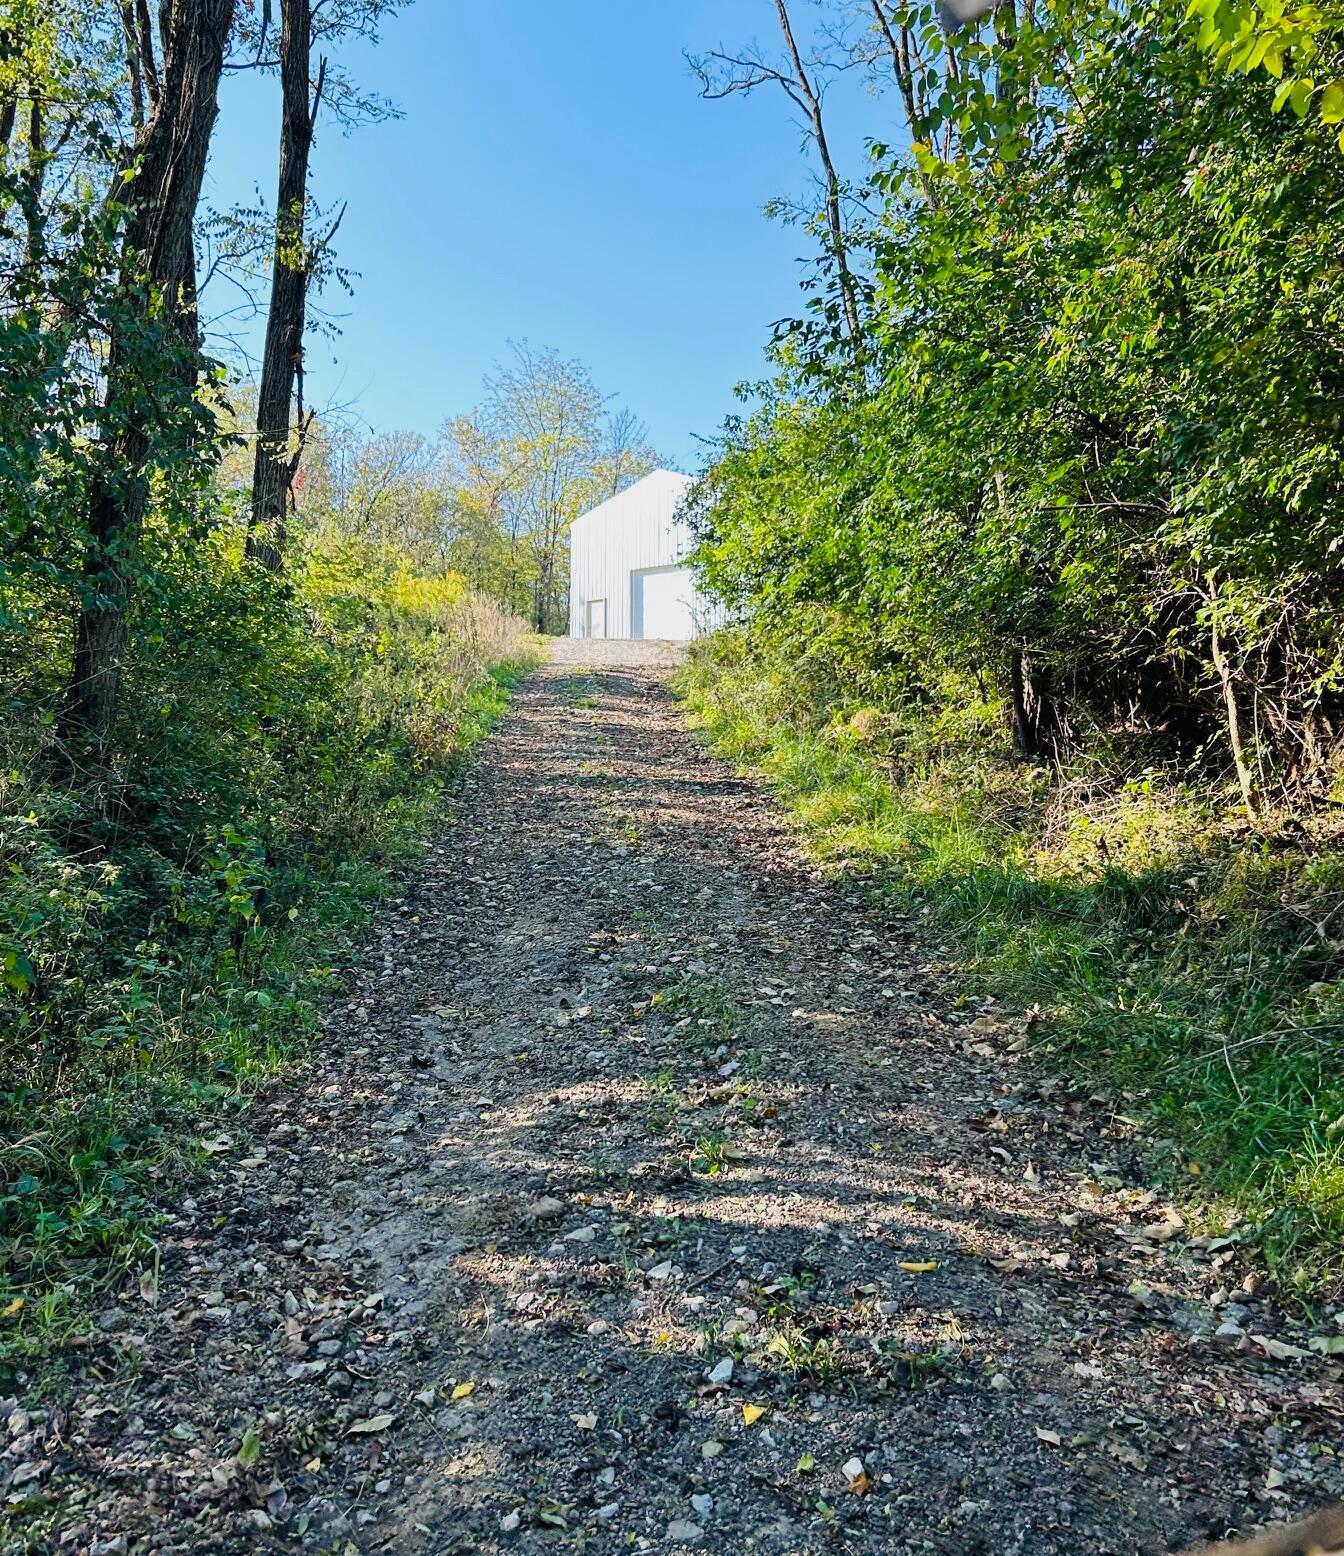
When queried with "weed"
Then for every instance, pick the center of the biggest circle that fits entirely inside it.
(704, 1004)
(710, 1155)
(802, 1353)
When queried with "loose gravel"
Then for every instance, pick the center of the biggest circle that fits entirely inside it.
(651, 1192)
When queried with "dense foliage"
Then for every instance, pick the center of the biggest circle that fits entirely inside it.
(1095, 464)
(1075, 489)
(181, 862)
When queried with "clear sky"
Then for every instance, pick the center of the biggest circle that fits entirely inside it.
(555, 177)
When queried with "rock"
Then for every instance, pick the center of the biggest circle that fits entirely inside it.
(681, 1531)
(510, 1522)
(547, 1208)
(711, 1449)
(723, 1371)
(1001, 1382)
(851, 1469)
(111, 1320)
(607, 1512)
(703, 1503)
(581, 1234)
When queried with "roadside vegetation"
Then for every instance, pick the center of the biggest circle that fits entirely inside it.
(228, 712)
(1034, 538)
(172, 911)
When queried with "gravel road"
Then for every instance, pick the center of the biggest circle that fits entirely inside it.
(651, 1192)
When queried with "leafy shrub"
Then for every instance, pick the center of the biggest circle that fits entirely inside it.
(167, 913)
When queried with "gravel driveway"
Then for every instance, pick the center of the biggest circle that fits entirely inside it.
(652, 1192)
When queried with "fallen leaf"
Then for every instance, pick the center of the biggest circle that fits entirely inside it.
(12, 1308)
(463, 1390)
(752, 1413)
(1277, 1350)
(367, 1428)
(806, 1464)
(1046, 1436)
(918, 1266)
(586, 1423)
(250, 1450)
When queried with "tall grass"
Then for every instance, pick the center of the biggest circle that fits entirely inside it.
(1170, 952)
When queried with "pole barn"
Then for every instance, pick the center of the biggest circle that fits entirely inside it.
(628, 576)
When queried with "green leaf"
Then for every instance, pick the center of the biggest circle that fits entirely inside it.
(1299, 99)
(1332, 102)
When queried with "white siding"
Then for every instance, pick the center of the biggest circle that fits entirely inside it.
(636, 529)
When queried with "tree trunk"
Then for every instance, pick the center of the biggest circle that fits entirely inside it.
(276, 462)
(158, 291)
(1034, 718)
(1245, 779)
(834, 215)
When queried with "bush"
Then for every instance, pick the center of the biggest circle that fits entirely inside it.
(168, 914)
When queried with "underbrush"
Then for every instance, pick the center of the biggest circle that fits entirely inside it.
(170, 910)
(1171, 952)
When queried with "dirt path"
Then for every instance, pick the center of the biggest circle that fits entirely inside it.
(651, 1192)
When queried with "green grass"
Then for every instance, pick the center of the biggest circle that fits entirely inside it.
(1170, 955)
(85, 1162)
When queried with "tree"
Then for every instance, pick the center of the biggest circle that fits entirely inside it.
(549, 414)
(722, 74)
(283, 422)
(154, 346)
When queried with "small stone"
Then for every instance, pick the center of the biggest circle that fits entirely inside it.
(547, 1208)
(711, 1449)
(661, 1271)
(581, 1234)
(510, 1522)
(681, 1531)
(1001, 1382)
(703, 1503)
(606, 1513)
(723, 1371)
(111, 1320)
(851, 1469)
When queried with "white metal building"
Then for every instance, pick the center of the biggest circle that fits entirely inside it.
(627, 571)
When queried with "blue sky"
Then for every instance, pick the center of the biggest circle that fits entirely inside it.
(555, 177)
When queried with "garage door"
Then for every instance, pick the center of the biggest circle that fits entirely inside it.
(664, 603)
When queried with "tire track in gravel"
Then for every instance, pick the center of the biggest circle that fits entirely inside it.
(652, 1191)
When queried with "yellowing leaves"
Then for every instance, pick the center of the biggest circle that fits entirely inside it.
(464, 1391)
(751, 1414)
(918, 1266)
